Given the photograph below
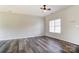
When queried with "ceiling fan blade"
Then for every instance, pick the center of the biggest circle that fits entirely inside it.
(41, 8)
(48, 9)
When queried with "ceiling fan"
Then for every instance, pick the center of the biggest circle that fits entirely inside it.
(44, 8)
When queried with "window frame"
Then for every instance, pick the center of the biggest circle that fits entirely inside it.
(55, 25)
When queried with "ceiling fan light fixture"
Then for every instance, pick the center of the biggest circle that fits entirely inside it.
(45, 9)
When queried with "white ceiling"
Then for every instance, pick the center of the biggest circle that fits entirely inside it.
(30, 9)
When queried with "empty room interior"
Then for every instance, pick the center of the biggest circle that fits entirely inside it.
(39, 28)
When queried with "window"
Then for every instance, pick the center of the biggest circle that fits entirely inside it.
(55, 26)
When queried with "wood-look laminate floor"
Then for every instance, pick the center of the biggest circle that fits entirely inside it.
(31, 45)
